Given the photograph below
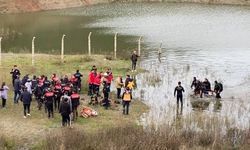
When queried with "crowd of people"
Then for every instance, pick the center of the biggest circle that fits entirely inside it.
(63, 94)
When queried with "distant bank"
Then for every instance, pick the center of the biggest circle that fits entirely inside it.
(19, 6)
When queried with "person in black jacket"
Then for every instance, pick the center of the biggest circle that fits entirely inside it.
(17, 89)
(179, 89)
(15, 73)
(26, 98)
(65, 112)
(218, 88)
(134, 60)
(49, 99)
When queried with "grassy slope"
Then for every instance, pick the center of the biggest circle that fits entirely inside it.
(11, 121)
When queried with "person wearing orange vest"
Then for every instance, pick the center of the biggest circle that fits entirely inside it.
(126, 98)
(54, 79)
(49, 98)
(75, 100)
(91, 80)
(97, 83)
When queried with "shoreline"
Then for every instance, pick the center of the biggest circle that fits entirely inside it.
(13, 7)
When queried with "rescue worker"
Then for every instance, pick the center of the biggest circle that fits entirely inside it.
(126, 99)
(91, 80)
(131, 84)
(218, 88)
(78, 75)
(34, 83)
(49, 99)
(65, 112)
(15, 73)
(109, 77)
(106, 102)
(97, 83)
(74, 82)
(75, 100)
(54, 79)
(179, 90)
(38, 92)
(134, 60)
(26, 98)
(46, 83)
(207, 86)
(58, 93)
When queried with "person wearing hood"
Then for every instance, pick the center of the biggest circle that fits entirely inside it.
(28, 86)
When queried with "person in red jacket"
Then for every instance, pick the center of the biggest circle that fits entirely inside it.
(109, 77)
(58, 93)
(75, 100)
(91, 80)
(97, 83)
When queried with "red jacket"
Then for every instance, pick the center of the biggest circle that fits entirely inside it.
(92, 76)
(97, 80)
(110, 77)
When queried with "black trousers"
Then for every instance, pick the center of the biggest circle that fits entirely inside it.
(218, 95)
(118, 93)
(3, 102)
(65, 120)
(57, 103)
(26, 109)
(75, 113)
(50, 110)
(180, 98)
(125, 107)
(133, 65)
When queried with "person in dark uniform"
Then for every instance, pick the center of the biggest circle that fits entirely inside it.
(15, 73)
(179, 90)
(134, 60)
(218, 88)
(26, 98)
(49, 99)
(65, 112)
(75, 100)
(78, 75)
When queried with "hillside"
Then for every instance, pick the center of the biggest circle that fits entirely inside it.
(18, 6)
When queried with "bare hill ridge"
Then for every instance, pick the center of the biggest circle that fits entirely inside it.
(18, 6)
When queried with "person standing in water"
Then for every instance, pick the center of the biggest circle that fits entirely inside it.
(179, 90)
(134, 60)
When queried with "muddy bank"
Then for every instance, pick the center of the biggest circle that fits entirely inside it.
(19, 6)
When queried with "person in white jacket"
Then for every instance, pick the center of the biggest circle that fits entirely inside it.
(28, 85)
(4, 93)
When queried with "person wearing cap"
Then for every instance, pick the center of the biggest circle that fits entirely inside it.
(134, 60)
(126, 99)
(26, 98)
(15, 73)
(179, 90)
(28, 86)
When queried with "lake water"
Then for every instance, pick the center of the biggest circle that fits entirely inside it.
(206, 41)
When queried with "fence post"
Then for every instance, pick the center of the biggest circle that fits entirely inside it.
(115, 45)
(33, 51)
(62, 48)
(89, 43)
(0, 51)
(139, 46)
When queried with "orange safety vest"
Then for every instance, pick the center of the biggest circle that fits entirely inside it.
(127, 97)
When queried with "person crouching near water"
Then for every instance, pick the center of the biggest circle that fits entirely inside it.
(179, 89)
(126, 99)
(218, 88)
